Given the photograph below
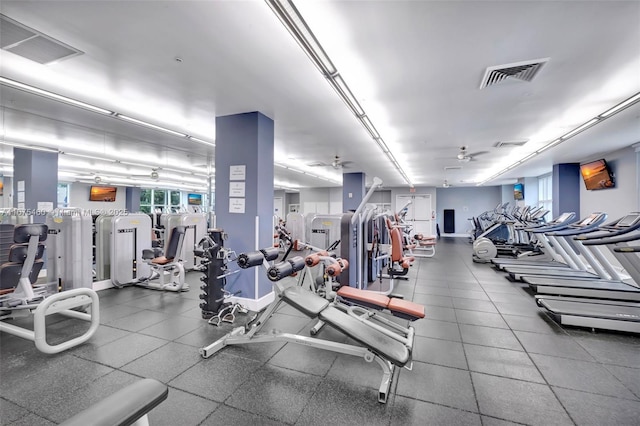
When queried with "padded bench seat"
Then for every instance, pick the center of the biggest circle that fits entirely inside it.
(398, 307)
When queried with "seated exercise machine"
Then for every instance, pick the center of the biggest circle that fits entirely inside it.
(167, 269)
(18, 295)
(389, 346)
(128, 406)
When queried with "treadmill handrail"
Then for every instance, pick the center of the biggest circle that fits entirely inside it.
(609, 231)
(605, 241)
(578, 231)
(629, 249)
(558, 227)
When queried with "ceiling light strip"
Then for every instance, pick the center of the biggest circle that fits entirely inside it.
(293, 21)
(581, 128)
(41, 92)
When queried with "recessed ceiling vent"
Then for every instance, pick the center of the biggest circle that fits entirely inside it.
(509, 144)
(31, 44)
(453, 168)
(524, 71)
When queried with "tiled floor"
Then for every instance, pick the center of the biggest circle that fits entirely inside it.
(485, 354)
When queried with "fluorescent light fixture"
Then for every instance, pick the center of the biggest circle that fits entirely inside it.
(370, 127)
(580, 128)
(347, 96)
(549, 145)
(635, 98)
(383, 146)
(290, 17)
(55, 96)
(92, 157)
(201, 141)
(152, 126)
(533, 154)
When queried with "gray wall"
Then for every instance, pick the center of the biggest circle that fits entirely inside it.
(467, 202)
(622, 199)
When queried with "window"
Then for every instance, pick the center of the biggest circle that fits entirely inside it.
(63, 194)
(159, 199)
(545, 192)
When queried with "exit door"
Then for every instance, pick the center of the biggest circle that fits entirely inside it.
(419, 212)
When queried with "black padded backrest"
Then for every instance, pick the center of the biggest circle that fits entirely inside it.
(304, 300)
(10, 274)
(22, 233)
(172, 249)
(18, 252)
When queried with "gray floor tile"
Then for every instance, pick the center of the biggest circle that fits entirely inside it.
(115, 312)
(626, 355)
(217, 377)
(165, 363)
(304, 359)
(139, 320)
(174, 328)
(580, 375)
(540, 324)
(431, 300)
(598, 410)
(518, 401)
(630, 377)
(121, 351)
(485, 319)
(446, 386)
(474, 305)
(181, 408)
(554, 345)
(469, 294)
(502, 362)
(435, 291)
(492, 421)
(440, 313)
(441, 352)
(350, 405)
(356, 371)
(226, 415)
(437, 329)
(488, 336)
(508, 296)
(283, 393)
(528, 309)
(414, 412)
(204, 336)
(32, 420)
(10, 412)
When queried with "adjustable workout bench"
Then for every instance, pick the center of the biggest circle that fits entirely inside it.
(390, 348)
(18, 295)
(167, 265)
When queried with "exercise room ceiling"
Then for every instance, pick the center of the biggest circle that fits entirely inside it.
(415, 67)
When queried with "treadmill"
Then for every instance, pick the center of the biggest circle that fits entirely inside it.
(549, 256)
(613, 287)
(573, 266)
(599, 313)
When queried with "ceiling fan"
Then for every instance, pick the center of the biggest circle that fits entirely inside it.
(464, 156)
(337, 163)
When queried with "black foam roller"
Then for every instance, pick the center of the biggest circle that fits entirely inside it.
(248, 260)
(270, 253)
(280, 271)
(297, 263)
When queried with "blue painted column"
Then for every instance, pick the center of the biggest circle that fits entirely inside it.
(353, 190)
(244, 197)
(132, 201)
(566, 188)
(35, 181)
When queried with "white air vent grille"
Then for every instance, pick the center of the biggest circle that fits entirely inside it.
(31, 44)
(509, 144)
(524, 71)
(453, 168)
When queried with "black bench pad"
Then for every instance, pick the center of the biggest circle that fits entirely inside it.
(305, 301)
(379, 343)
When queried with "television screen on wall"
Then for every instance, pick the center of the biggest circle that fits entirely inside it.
(103, 193)
(518, 191)
(596, 175)
(194, 199)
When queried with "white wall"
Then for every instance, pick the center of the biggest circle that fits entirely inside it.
(622, 199)
(321, 200)
(467, 202)
(79, 197)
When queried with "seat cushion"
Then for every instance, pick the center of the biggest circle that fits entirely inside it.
(304, 300)
(406, 307)
(364, 296)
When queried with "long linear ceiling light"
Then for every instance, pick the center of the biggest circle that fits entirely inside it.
(293, 169)
(581, 128)
(293, 21)
(45, 93)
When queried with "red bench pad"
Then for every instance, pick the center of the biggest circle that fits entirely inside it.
(364, 296)
(406, 307)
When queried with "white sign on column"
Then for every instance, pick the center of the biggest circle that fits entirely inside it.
(237, 172)
(236, 205)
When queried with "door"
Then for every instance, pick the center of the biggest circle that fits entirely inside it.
(418, 212)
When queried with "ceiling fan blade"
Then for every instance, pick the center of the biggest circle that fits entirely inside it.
(318, 164)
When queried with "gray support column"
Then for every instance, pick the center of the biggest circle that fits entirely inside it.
(35, 181)
(132, 201)
(244, 196)
(566, 188)
(353, 190)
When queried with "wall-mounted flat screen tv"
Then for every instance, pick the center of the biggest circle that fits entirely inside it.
(596, 175)
(518, 191)
(194, 199)
(103, 193)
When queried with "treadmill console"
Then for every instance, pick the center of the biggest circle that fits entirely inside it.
(588, 220)
(628, 220)
(563, 218)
